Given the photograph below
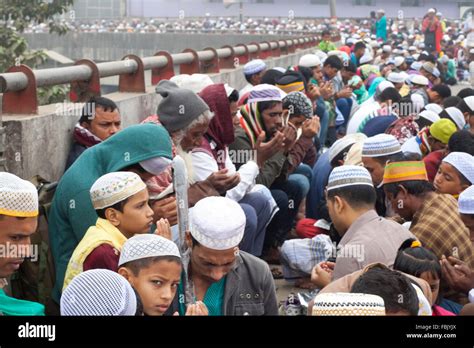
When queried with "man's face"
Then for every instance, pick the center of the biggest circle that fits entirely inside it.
(447, 180)
(193, 137)
(436, 144)
(212, 265)
(257, 78)
(434, 97)
(15, 232)
(297, 121)
(346, 75)
(400, 203)
(234, 111)
(317, 73)
(104, 124)
(156, 285)
(336, 212)
(272, 117)
(326, 37)
(469, 222)
(360, 52)
(433, 281)
(375, 168)
(330, 71)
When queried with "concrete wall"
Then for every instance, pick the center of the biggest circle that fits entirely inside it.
(39, 144)
(113, 46)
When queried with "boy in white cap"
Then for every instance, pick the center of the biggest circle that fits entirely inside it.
(121, 202)
(99, 292)
(152, 265)
(466, 209)
(455, 174)
(228, 281)
(467, 108)
(366, 237)
(18, 221)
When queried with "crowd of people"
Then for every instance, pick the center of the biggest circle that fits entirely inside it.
(353, 170)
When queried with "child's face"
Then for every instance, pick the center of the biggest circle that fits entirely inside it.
(447, 180)
(137, 216)
(297, 120)
(434, 284)
(156, 285)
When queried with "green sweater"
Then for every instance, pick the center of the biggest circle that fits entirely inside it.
(72, 212)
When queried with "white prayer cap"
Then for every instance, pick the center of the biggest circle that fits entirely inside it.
(470, 102)
(217, 223)
(98, 292)
(463, 162)
(351, 40)
(384, 85)
(412, 48)
(374, 44)
(18, 197)
(194, 82)
(309, 61)
(416, 56)
(115, 187)
(439, 14)
(265, 92)
(142, 246)
(471, 51)
(280, 69)
(228, 90)
(395, 77)
(457, 116)
(431, 10)
(344, 142)
(434, 107)
(429, 115)
(417, 100)
(466, 201)
(381, 145)
(254, 67)
(349, 175)
(419, 80)
(399, 61)
(366, 58)
(387, 48)
(381, 10)
(348, 304)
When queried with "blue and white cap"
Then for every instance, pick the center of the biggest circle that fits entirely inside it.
(254, 67)
(466, 201)
(380, 145)
(349, 175)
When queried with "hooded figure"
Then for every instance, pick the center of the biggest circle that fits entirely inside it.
(72, 212)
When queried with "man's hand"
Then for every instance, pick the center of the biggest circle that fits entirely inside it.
(167, 209)
(457, 274)
(321, 275)
(290, 134)
(268, 149)
(326, 90)
(313, 92)
(198, 308)
(310, 127)
(346, 92)
(223, 182)
(163, 229)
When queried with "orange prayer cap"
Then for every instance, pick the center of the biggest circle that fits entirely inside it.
(404, 171)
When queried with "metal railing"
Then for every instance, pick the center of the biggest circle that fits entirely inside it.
(19, 83)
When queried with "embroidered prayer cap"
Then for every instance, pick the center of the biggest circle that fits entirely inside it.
(399, 61)
(349, 175)
(366, 58)
(344, 142)
(416, 66)
(265, 92)
(395, 77)
(98, 292)
(470, 101)
(442, 130)
(310, 61)
(18, 197)
(387, 48)
(142, 246)
(428, 66)
(383, 86)
(457, 116)
(115, 187)
(254, 67)
(434, 107)
(429, 115)
(348, 304)
(194, 82)
(404, 171)
(217, 223)
(466, 201)
(291, 81)
(381, 145)
(298, 104)
(419, 80)
(463, 162)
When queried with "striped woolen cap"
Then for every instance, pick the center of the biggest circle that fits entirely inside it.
(405, 171)
(349, 175)
(380, 145)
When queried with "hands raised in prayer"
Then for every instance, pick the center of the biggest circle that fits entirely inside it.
(166, 209)
(268, 149)
(163, 228)
(321, 275)
(198, 308)
(223, 182)
(310, 127)
(457, 274)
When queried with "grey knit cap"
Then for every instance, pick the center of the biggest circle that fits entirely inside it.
(179, 106)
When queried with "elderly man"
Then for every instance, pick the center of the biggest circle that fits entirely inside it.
(100, 120)
(143, 149)
(227, 280)
(18, 221)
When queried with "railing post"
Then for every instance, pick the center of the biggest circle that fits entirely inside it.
(291, 47)
(268, 53)
(82, 91)
(257, 54)
(24, 101)
(193, 67)
(210, 66)
(134, 82)
(164, 73)
(229, 62)
(244, 58)
(276, 52)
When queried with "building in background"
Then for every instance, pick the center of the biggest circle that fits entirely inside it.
(100, 9)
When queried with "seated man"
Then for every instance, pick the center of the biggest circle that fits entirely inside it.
(18, 221)
(100, 119)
